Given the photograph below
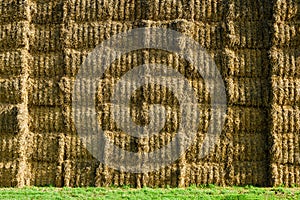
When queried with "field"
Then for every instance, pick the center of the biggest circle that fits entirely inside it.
(205, 192)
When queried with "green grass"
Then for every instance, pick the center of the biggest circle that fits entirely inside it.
(193, 192)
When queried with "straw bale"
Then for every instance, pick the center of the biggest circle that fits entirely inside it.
(249, 147)
(286, 35)
(8, 145)
(245, 120)
(90, 11)
(47, 12)
(285, 62)
(8, 172)
(286, 91)
(247, 91)
(74, 149)
(48, 65)
(285, 119)
(46, 147)
(12, 35)
(45, 38)
(286, 10)
(246, 34)
(11, 63)
(285, 174)
(79, 173)
(248, 173)
(246, 62)
(248, 10)
(286, 148)
(12, 10)
(46, 119)
(10, 91)
(202, 173)
(88, 35)
(73, 60)
(8, 119)
(45, 92)
(43, 173)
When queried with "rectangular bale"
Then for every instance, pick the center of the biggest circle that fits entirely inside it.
(91, 11)
(285, 174)
(285, 148)
(89, 35)
(286, 35)
(74, 61)
(248, 173)
(46, 38)
(203, 173)
(47, 12)
(46, 119)
(8, 173)
(248, 10)
(48, 65)
(47, 147)
(13, 10)
(11, 90)
(285, 62)
(246, 120)
(286, 91)
(246, 63)
(13, 35)
(9, 146)
(79, 173)
(247, 91)
(285, 119)
(45, 173)
(9, 123)
(11, 63)
(45, 92)
(287, 10)
(245, 34)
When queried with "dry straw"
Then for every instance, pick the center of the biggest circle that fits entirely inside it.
(255, 45)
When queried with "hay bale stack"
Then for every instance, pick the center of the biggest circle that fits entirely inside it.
(43, 44)
(14, 29)
(285, 58)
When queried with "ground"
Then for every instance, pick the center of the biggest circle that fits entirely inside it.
(201, 192)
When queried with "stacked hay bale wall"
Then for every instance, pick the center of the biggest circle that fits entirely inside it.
(14, 69)
(285, 59)
(43, 44)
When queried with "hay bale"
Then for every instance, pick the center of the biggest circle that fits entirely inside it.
(285, 119)
(286, 35)
(46, 38)
(47, 65)
(46, 119)
(246, 63)
(46, 12)
(8, 171)
(247, 34)
(8, 119)
(44, 173)
(45, 92)
(247, 91)
(10, 91)
(248, 173)
(12, 10)
(12, 35)
(285, 62)
(286, 91)
(11, 63)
